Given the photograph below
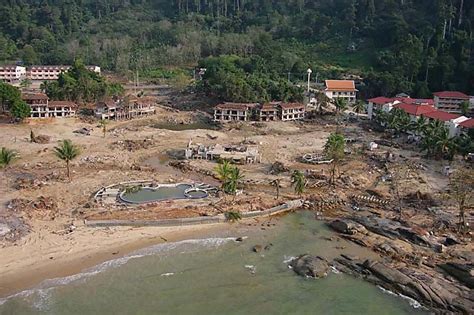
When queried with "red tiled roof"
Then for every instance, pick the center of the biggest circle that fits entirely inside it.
(380, 100)
(468, 123)
(35, 96)
(236, 106)
(291, 105)
(61, 103)
(451, 94)
(414, 109)
(440, 115)
(340, 85)
(416, 101)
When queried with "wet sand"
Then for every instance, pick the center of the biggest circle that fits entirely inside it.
(50, 256)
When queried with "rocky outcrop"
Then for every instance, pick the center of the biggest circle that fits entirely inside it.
(310, 266)
(429, 288)
(462, 272)
(347, 227)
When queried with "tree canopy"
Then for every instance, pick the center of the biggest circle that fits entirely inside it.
(79, 84)
(410, 46)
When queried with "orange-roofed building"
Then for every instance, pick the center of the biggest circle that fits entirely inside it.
(344, 89)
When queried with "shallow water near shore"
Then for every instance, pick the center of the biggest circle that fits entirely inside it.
(217, 275)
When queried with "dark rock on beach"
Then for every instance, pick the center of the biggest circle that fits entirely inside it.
(310, 266)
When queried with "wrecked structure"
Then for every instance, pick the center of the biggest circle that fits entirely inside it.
(259, 112)
(238, 154)
(125, 109)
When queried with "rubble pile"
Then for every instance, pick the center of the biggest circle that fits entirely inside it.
(132, 145)
(41, 139)
(278, 168)
(41, 207)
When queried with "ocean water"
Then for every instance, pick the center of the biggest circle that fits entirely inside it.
(217, 275)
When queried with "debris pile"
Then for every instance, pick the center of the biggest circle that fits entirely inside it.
(132, 145)
(41, 139)
(41, 207)
(278, 168)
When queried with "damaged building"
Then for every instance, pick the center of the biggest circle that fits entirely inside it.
(238, 154)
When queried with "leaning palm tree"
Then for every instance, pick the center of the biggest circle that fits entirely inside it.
(358, 107)
(7, 157)
(299, 182)
(67, 152)
(103, 124)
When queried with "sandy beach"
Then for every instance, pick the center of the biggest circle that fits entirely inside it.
(46, 255)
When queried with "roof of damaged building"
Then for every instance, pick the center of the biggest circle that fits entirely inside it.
(237, 106)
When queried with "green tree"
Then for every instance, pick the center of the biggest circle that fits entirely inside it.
(235, 179)
(334, 149)
(299, 182)
(8, 96)
(7, 157)
(464, 107)
(20, 110)
(359, 107)
(341, 105)
(67, 152)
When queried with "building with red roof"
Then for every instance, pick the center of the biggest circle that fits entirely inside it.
(344, 89)
(450, 101)
(440, 115)
(415, 110)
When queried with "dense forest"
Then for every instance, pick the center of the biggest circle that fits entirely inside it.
(413, 46)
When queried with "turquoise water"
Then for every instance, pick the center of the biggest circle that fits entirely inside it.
(146, 195)
(217, 276)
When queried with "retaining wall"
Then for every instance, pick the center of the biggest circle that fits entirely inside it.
(290, 205)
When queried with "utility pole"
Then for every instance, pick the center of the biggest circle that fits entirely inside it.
(289, 74)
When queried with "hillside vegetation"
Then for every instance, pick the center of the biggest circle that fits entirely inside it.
(414, 46)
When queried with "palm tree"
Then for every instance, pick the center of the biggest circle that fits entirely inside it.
(299, 181)
(234, 180)
(7, 157)
(464, 108)
(103, 123)
(358, 107)
(223, 171)
(419, 126)
(334, 149)
(322, 101)
(67, 152)
(341, 105)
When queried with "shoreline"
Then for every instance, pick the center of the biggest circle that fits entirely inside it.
(62, 260)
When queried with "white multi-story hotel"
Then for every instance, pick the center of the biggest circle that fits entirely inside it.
(12, 73)
(42, 73)
(15, 74)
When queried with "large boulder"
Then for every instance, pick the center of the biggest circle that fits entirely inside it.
(310, 266)
(347, 227)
